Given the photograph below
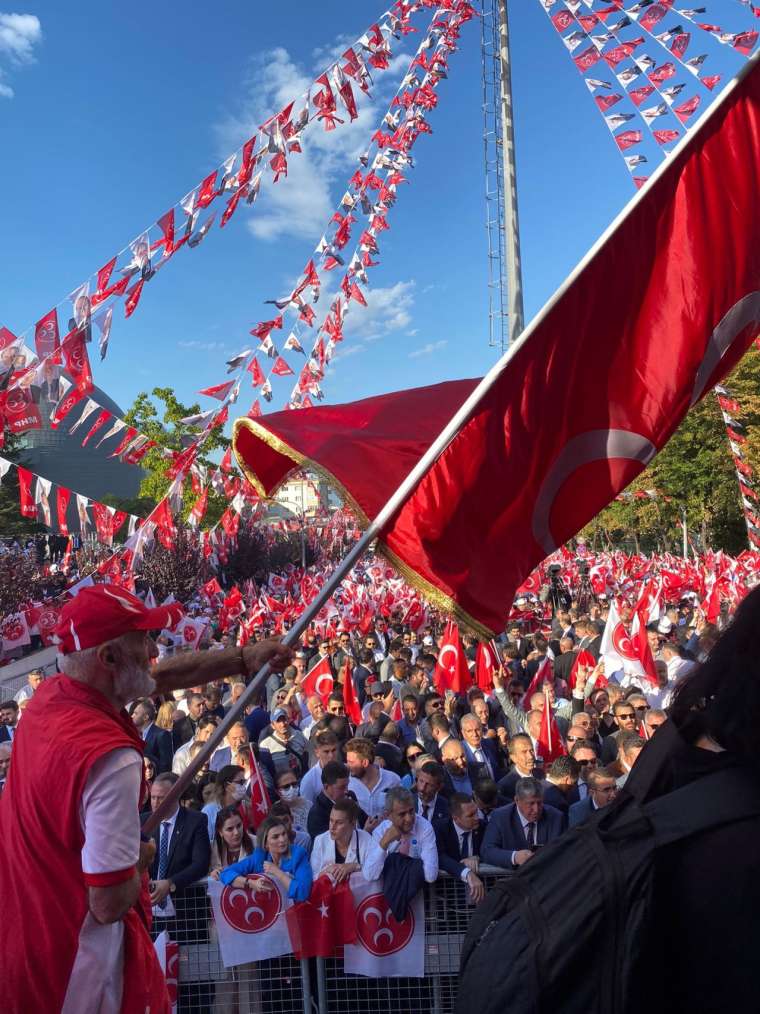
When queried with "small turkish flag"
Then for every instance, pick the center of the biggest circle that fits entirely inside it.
(544, 672)
(550, 745)
(319, 680)
(350, 700)
(485, 661)
(451, 672)
(319, 926)
(260, 802)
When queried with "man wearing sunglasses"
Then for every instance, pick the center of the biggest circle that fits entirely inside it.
(583, 752)
(626, 720)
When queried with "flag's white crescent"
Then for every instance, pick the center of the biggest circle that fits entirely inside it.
(318, 685)
(740, 316)
(380, 934)
(595, 445)
(442, 653)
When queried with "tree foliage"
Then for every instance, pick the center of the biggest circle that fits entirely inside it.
(158, 415)
(695, 470)
(179, 571)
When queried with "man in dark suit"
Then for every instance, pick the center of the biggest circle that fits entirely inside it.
(158, 742)
(183, 856)
(459, 839)
(235, 743)
(517, 831)
(183, 729)
(602, 789)
(561, 785)
(428, 801)
(624, 714)
(482, 754)
(589, 638)
(523, 758)
(8, 721)
(564, 662)
(515, 638)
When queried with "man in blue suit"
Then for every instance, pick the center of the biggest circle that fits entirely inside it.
(515, 832)
(459, 838)
(482, 754)
(428, 800)
(158, 742)
(602, 789)
(235, 743)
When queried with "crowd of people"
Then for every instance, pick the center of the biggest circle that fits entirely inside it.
(455, 780)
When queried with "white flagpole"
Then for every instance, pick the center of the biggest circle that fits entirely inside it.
(428, 459)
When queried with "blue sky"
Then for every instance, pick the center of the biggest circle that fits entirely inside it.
(116, 112)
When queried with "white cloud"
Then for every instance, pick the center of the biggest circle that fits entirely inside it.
(413, 332)
(429, 349)
(203, 346)
(302, 204)
(19, 34)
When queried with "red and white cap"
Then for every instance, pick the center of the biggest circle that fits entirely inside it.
(104, 612)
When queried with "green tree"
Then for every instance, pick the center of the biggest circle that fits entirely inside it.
(158, 415)
(11, 521)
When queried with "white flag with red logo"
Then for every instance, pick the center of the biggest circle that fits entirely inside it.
(385, 947)
(190, 631)
(250, 925)
(617, 648)
(15, 632)
(167, 952)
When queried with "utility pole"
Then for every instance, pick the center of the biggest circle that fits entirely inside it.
(684, 527)
(511, 219)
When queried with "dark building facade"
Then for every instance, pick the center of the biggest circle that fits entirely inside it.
(58, 455)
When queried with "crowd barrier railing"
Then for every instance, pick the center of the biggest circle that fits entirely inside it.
(285, 985)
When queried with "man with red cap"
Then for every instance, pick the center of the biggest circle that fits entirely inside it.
(72, 864)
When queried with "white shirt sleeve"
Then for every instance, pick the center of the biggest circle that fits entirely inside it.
(109, 812)
(428, 849)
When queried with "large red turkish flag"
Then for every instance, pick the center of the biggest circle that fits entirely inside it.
(663, 307)
(319, 926)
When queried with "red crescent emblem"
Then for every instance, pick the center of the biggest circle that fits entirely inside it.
(189, 633)
(251, 911)
(623, 644)
(12, 630)
(15, 402)
(378, 930)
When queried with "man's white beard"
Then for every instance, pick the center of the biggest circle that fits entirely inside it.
(132, 681)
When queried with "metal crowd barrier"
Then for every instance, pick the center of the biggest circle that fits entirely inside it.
(287, 986)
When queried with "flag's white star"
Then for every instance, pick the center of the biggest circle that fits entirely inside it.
(324, 910)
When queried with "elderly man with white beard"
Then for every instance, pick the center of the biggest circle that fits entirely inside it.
(76, 783)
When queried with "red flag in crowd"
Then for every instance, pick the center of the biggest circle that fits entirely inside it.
(319, 926)
(260, 801)
(544, 672)
(550, 745)
(536, 459)
(319, 680)
(451, 672)
(350, 700)
(485, 662)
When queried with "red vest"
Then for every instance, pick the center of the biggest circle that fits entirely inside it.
(66, 727)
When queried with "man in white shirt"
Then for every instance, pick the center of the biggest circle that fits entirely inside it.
(35, 678)
(407, 833)
(368, 782)
(203, 732)
(326, 750)
(316, 711)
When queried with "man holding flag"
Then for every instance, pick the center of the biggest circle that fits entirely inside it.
(86, 915)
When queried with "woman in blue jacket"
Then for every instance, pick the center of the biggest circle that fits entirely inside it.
(274, 855)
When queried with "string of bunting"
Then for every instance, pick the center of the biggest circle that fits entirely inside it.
(730, 411)
(601, 40)
(280, 138)
(405, 116)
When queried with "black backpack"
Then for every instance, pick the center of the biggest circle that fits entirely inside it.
(539, 945)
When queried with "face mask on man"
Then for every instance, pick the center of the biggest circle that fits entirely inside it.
(289, 792)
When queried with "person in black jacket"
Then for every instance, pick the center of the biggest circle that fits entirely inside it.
(183, 856)
(334, 787)
(717, 711)
(459, 838)
(158, 742)
(183, 729)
